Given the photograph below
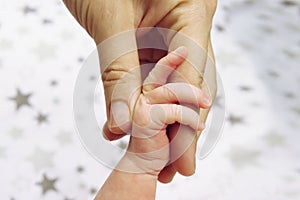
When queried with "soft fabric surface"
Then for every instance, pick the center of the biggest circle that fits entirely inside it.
(257, 46)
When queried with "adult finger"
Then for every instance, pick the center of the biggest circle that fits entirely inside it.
(122, 85)
(166, 175)
(108, 135)
(120, 70)
(196, 31)
(185, 164)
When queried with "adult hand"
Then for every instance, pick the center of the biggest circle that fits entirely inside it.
(193, 18)
(135, 176)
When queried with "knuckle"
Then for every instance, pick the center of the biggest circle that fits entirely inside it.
(113, 74)
(168, 60)
(176, 111)
(169, 95)
(114, 127)
(209, 8)
(196, 94)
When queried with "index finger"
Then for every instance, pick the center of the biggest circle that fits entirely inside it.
(164, 67)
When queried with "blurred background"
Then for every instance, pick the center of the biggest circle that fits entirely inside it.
(257, 47)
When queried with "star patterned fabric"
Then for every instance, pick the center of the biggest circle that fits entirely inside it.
(257, 48)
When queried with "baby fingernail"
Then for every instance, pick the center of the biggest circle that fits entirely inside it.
(180, 50)
(207, 101)
(202, 125)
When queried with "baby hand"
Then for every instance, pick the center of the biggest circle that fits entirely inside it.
(159, 105)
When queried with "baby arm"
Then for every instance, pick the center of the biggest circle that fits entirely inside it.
(158, 105)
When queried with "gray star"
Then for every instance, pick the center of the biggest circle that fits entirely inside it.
(290, 95)
(80, 59)
(289, 3)
(235, 119)
(245, 88)
(273, 74)
(297, 110)
(290, 53)
(47, 21)
(122, 144)
(42, 118)
(45, 51)
(15, 133)
(80, 169)
(21, 99)
(41, 159)
(53, 83)
(267, 29)
(219, 28)
(242, 157)
(27, 10)
(249, 2)
(274, 139)
(93, 191)
(64, 138)
(47, 184)
(92, 78)
(263, 16)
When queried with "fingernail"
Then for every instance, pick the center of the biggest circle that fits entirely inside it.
(207, 101)
(180, 50)
(202, 125)
(119, 113)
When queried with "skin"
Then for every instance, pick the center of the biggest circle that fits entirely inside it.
(149, 148)
(105, 18)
